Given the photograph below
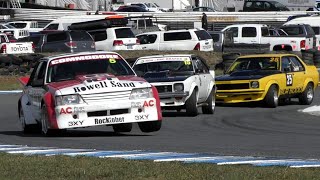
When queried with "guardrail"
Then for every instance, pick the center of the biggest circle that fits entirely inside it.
(48, 14)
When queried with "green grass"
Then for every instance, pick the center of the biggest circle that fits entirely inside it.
(9, 83)
(63, 167)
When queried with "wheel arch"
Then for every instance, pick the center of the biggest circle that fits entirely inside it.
(269, 84)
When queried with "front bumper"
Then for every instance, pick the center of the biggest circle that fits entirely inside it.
(173, 98)
(106, 113)
(239, 96)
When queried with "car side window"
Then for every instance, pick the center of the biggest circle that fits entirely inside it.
(285, 65)
(234, 31)
(199, 66)
(249, 32)
(296, 64)
(57, 37)
(99, 35)
(147, 39)
(39, 75)
(174, 36)
(52, 27)
(267, 5)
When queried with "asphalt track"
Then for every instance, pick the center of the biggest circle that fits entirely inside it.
(241, 130)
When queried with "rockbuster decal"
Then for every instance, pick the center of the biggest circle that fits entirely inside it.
(108, 120)
(84, 58)
(103, 84)
(75, 123)
(141, 117)
(70, 110)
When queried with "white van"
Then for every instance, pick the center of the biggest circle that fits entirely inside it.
(190, 39)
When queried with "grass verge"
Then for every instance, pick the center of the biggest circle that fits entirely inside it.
(64, 167)
(9, 83)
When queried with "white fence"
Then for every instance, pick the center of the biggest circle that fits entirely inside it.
(48, 15)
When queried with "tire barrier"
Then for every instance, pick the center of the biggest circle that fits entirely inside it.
(307, 57)
(228, 59)
(244, 49)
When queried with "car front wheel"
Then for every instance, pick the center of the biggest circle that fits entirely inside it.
(126, 127)
(191, 104)
(272, 98)
(26, 128)
(306, 97)
(150, 126)
(211, 104)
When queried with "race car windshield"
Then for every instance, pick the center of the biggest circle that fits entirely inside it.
(256, 64)
(179, 67)
(68, 71)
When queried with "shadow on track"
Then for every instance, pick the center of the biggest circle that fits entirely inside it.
(73, 133)
(282, 102)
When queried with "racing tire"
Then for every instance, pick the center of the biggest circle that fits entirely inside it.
(45, 130)
(150, 126)
(210, 108)
(125, 127)
(272, 98)
(26, 128)
(191, 104)
(306, 97)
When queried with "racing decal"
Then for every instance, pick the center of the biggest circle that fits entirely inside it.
(149, 103)
(84, 58)
(141, 117)
(75, 123)
(108, 120)
(187, 62)
(156, 96)
(112, 61)
(103, 84)
(70, 110)
(289, 79)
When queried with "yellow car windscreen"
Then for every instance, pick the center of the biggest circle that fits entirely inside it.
(255, 63)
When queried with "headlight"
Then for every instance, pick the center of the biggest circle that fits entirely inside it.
(254, 84)
(178, 87)
(141, 93)
(68, 99)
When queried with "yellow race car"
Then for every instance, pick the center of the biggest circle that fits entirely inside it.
(268, 78)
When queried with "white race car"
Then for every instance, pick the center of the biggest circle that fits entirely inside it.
(183, 81)
(87, 89)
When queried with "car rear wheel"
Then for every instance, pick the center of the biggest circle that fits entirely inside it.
(191, 104)
(26, 128)
(150, 126)
(126, 127)
(211, 104)
(272, 97)
(306, 97)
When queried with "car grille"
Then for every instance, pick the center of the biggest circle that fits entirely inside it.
(108, 112)
(108, 96)
(162, 89)
(232, 86)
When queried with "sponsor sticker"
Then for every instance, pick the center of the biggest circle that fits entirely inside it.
(84, 58)
(101, 85)
(108, 120)
(75, 123)
(149, 103)
(141, 117)
(70, 110)
(141, 61)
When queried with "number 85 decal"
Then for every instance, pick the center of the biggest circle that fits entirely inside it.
(289, 79)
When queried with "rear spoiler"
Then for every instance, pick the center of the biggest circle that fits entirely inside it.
(24, 80)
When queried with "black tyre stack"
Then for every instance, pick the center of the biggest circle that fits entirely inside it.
(316, 58)
(228, 58)
(307, 57)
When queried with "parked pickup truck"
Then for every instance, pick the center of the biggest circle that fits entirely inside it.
(300, 37)
(7, 47)
(31, 26)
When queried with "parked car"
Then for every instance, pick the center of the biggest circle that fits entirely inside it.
(267, 78)
(116, 38)
(17, 33)
(183, 81)
(31, 26)
(9, 47)
(62, 41)
(149, 6)
(84, 90)
(131, 9)
(190, 39)
(202, 9)
(263, 5)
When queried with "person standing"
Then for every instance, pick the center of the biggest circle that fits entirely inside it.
(204, 21)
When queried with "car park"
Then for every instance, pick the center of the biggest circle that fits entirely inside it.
(268, 78)
(190, 39)
(84, 90)
(184, 81)
(61, 41)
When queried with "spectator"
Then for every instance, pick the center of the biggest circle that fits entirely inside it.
(204, 21)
